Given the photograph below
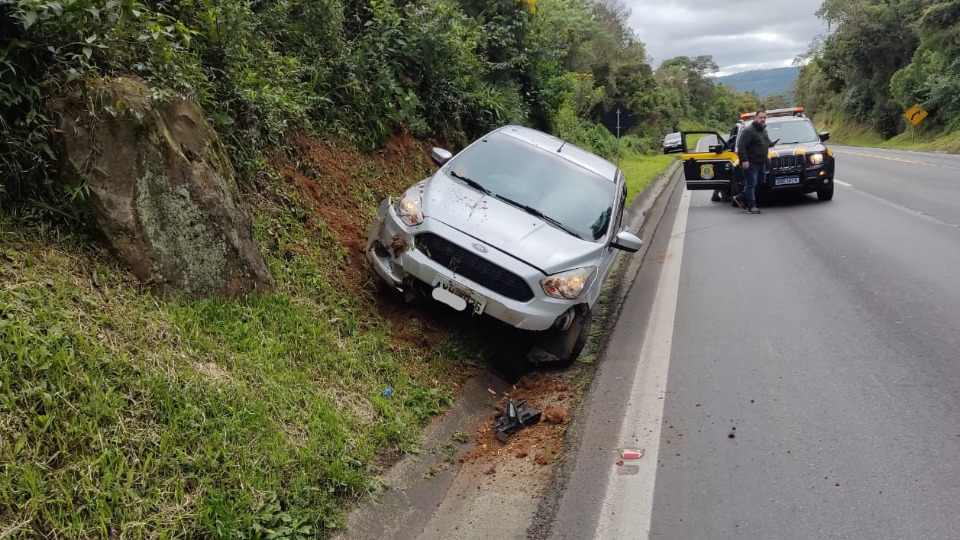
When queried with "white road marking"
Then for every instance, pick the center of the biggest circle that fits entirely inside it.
(835, 181)
(628, 501)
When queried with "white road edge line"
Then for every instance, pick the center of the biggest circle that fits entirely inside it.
(835, 181)
(628, 500)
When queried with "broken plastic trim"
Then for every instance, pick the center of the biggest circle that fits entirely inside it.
(514, 417)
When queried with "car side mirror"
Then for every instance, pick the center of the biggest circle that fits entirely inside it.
(717, 148)
(439, 155)
(627, 241)
(673, 150)
(824, 135)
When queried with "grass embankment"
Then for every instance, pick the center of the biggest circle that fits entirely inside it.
(640, 169)
(920, 138)
(124, 415)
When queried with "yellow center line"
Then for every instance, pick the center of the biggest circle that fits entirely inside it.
(901, 160)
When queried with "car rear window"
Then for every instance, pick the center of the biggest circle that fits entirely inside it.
(578, 198)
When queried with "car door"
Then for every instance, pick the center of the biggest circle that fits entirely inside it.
(710, 163)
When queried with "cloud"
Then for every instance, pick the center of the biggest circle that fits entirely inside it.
(739, 34)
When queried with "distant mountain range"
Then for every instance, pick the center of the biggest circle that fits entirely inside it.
(765, 82)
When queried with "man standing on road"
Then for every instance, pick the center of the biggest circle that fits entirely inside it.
(752, 149)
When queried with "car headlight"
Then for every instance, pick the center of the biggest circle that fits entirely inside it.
(816, 159)
(567, 284)
(408, 208)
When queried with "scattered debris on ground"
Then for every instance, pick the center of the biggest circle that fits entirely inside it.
(540, 444)
(513, 418)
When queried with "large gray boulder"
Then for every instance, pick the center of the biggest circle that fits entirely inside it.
(161, 188)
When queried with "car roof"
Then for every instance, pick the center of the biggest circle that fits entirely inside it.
(772, 113)
(776, 119)
(568, 151)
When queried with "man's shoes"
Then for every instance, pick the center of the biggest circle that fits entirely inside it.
(739, 200)
(753, 210)
(715, 198)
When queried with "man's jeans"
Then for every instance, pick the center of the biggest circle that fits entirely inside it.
(751, 177)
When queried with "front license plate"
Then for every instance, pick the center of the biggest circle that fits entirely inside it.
(786, 180)
(456, 295)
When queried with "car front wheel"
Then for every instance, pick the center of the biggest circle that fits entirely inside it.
(825, 193)
(561, 348)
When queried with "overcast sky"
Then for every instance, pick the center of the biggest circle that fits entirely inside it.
(740, 35)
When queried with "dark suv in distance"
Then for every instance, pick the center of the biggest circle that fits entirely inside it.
(799, 163)
(672, 143)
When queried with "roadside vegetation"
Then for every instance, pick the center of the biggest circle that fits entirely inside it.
(125, 415)
(640, 170)
(880, 59)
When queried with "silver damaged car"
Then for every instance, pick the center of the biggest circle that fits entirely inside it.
(520, 225)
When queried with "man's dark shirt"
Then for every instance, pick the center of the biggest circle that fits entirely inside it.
(754, 143)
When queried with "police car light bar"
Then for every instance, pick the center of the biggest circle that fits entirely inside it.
(789, 111)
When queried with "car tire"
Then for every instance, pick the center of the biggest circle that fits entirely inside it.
(561, 348)
(825, 193)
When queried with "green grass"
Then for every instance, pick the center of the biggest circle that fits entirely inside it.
(126, 416)
(921, 138)
(641, 169)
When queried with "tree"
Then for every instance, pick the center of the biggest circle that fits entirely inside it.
(933, 76)
(692, 74)
(872, 40)
(749, 102)
(724, 108)
(776, 101)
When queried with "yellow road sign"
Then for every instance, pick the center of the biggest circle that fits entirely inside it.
(915, 114)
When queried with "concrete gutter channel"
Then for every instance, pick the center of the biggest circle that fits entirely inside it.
(419, 501)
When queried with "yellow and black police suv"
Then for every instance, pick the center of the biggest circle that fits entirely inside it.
(799, 163)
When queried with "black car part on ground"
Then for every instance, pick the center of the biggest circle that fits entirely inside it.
(515, 416)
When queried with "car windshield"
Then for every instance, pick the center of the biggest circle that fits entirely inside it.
(567, 195)
(792, 132)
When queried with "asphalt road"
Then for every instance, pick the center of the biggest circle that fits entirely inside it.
(790, 375)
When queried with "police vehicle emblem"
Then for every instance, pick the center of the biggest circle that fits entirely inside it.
(706, 171)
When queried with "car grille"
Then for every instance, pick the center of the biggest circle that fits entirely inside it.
(474, 267)
(784, 164)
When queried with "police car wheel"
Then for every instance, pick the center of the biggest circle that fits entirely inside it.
(825, 193)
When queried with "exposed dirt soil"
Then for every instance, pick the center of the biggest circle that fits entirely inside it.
(343, 188)
(541, 443)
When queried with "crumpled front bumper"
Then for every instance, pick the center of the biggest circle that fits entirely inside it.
(392, 253)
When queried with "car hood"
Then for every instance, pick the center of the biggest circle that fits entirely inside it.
(505, 227)
(798, 149)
